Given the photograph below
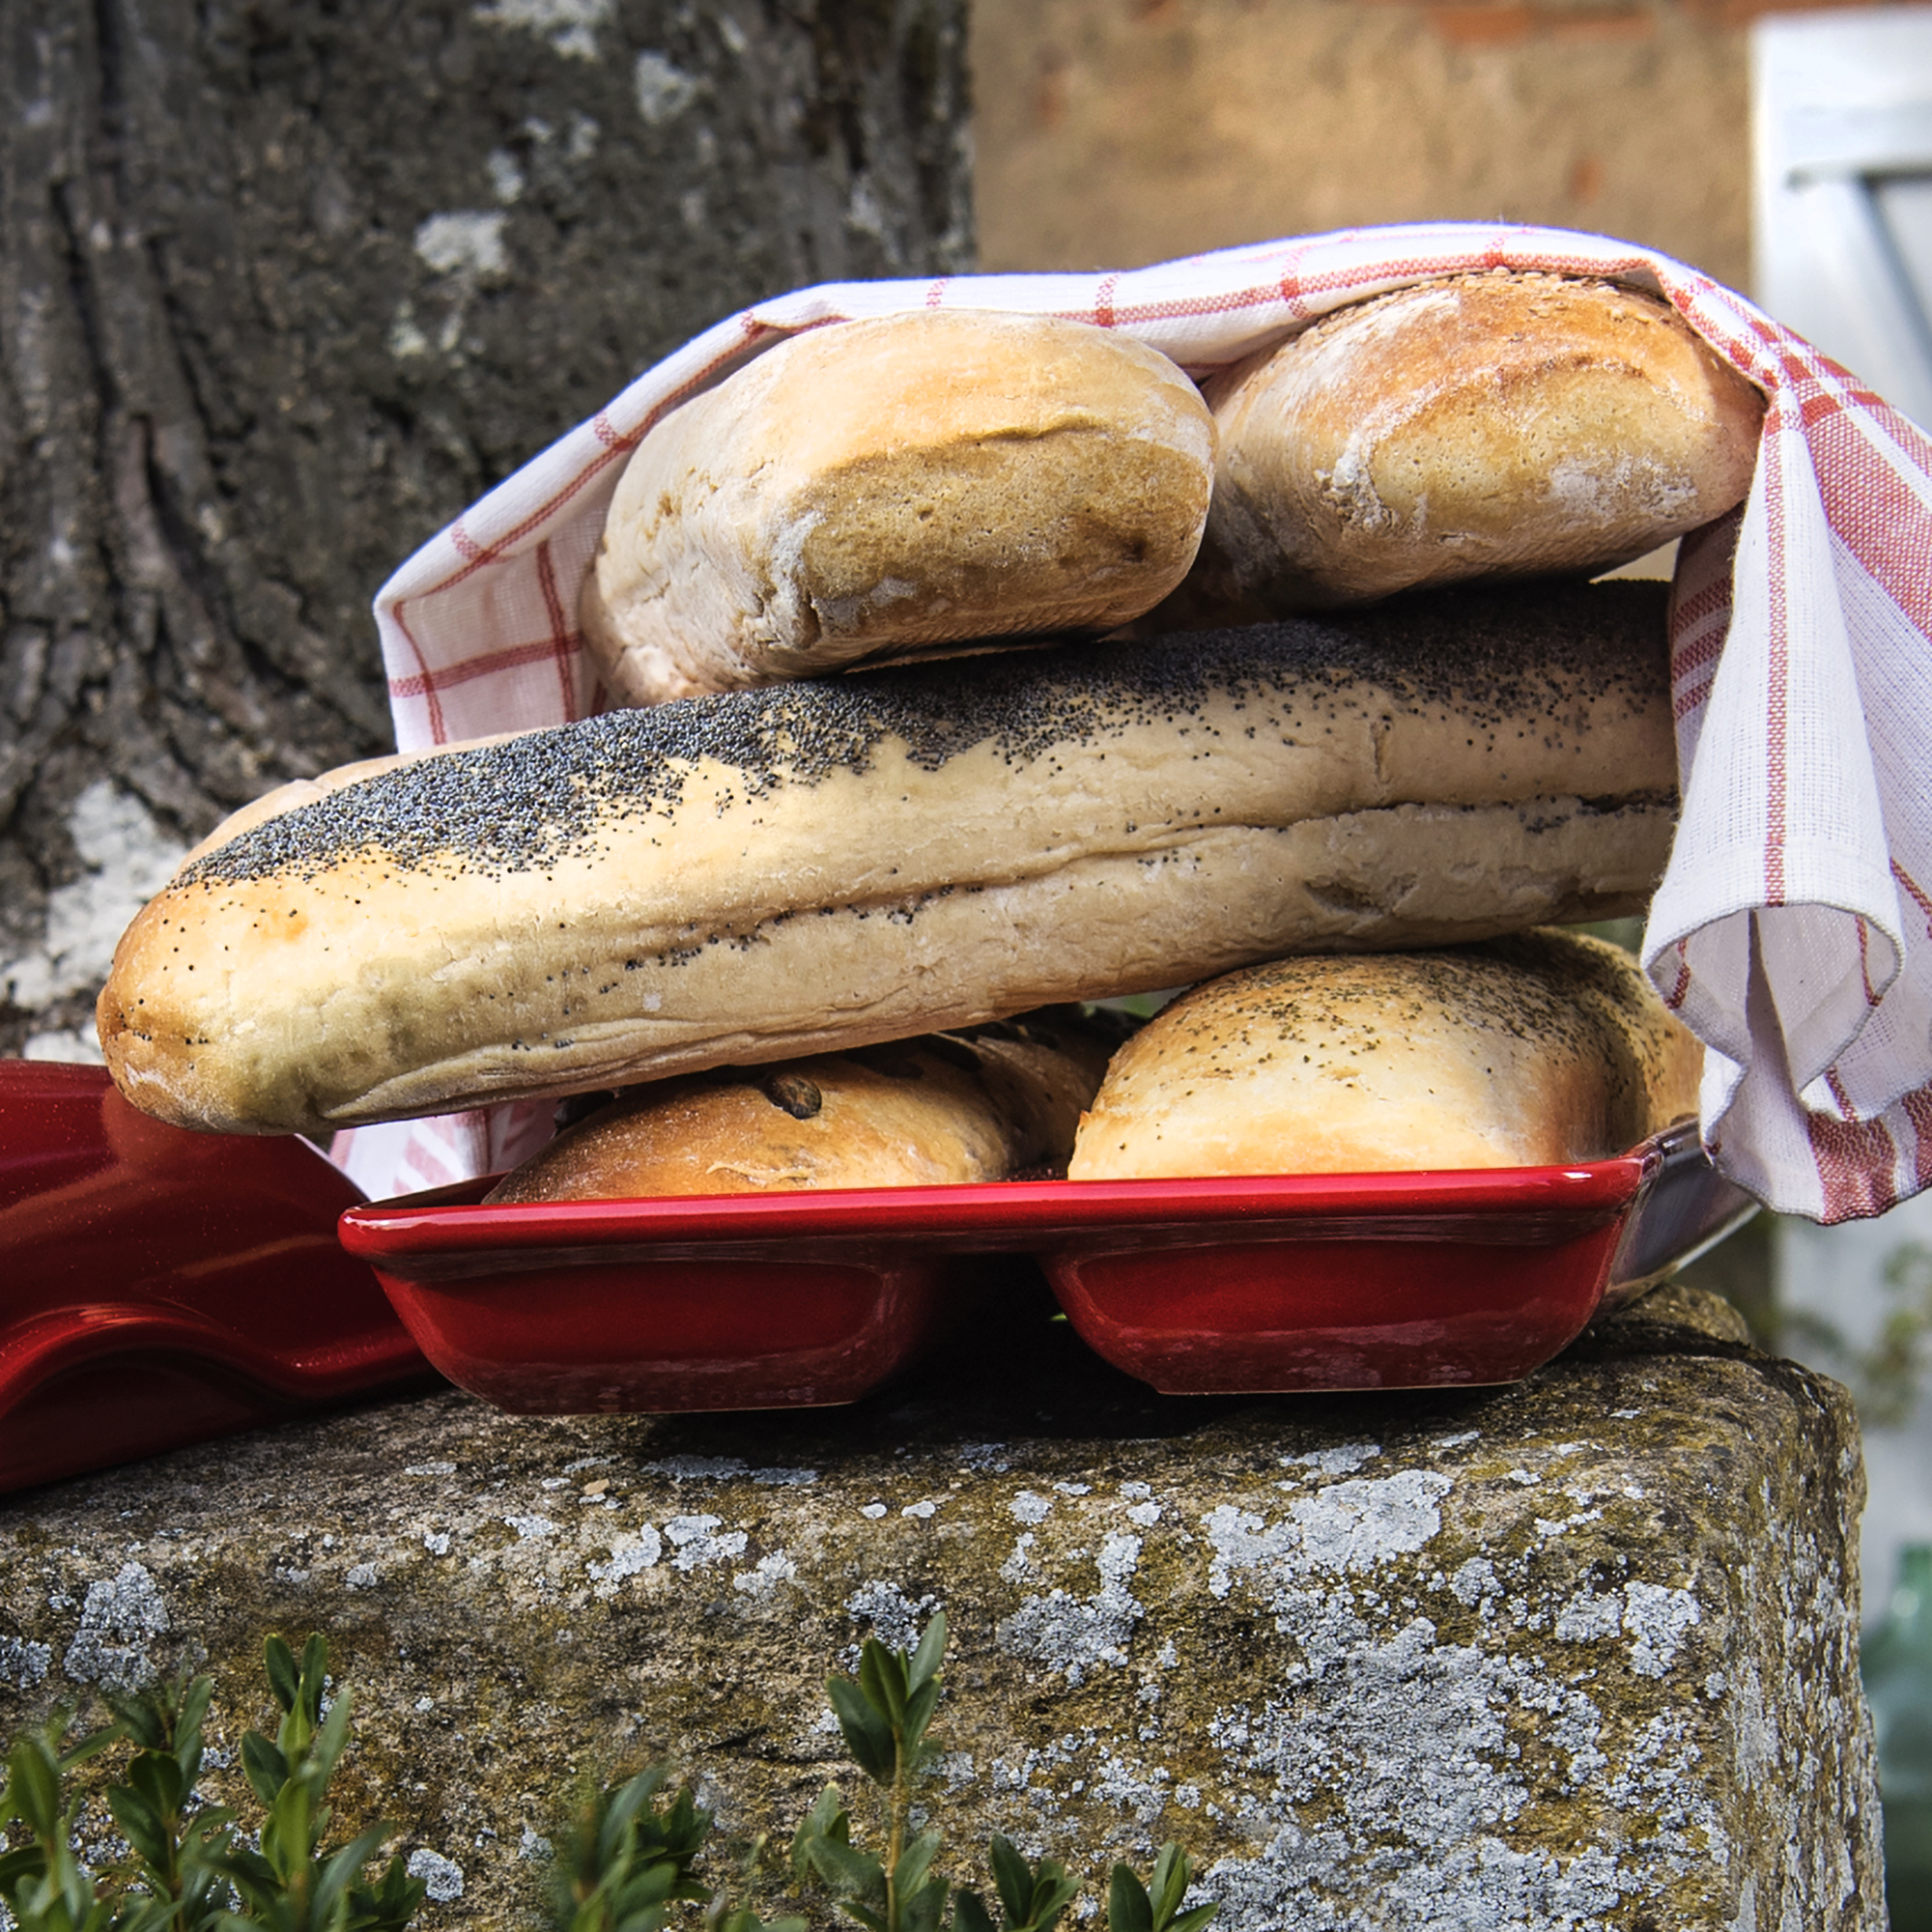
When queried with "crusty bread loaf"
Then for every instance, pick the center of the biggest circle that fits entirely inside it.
(766, 873)
(1527, 1051)
(1496, 424)
(981, 1104)
(876, 488)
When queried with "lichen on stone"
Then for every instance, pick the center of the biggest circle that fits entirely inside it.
(1579, 1653)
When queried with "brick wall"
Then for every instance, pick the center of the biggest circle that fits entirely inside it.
(1120, 131)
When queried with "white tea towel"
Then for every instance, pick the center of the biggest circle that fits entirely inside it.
(1793, 929)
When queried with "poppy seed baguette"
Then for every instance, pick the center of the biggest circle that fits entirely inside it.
(806, 867)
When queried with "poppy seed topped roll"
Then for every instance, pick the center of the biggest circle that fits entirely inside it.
(1525, 1051)
(814, 866)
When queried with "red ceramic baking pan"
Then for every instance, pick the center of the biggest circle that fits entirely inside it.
(1295, 1281)
(159, 1286)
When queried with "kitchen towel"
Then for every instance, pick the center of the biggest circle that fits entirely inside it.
(1793, 928)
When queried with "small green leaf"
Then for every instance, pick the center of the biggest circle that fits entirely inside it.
(1128, 1907)
(23, 1861)
(392, 1905)
(919, 1707)
(969, 1914)
(924, 1666)
(922, 1911)
(1188, 1921)
(280, 1662)
(1051, 1897)
(265, 1768)
(914, 1862)
(882, 1677)
(141, 1826)
(868, 1735)
(326, 1745)
(34, 1788)
(159, 1777)
(189, 1717)
(341, 1870)
(315, 1672)
(143, 1720)
(851, 1874)
(827, 1819)
(1170, 1883)
(89, 1747)
(1013, 1879)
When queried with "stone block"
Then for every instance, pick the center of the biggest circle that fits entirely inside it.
(1579, 1653)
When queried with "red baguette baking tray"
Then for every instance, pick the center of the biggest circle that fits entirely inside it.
(1288, 1282)
(159, 1286)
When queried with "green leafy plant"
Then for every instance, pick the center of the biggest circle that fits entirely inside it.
(291, 1883)
(43, 1882)
(884, 1714)
(1030, 1897)
(1131, 1907)
(628, 1861)
(185, 1868)
(630, 1854)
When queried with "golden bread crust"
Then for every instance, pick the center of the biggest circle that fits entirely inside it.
(879, 489)
(1502, 424)
(762, 875)
(964, 1107)
(1527, 1051)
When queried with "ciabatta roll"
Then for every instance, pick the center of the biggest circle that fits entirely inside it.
(1490, 425)
(877, 488)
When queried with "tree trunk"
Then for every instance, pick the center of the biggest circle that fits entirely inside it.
(283, 287)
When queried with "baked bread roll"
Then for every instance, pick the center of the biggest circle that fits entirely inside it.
(767, 873)
(1527, 1051)
(978, 1105)
(1503, 425)
(877, 488)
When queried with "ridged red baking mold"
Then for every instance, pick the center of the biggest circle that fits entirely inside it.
(159, 1286)
(1284, 1283)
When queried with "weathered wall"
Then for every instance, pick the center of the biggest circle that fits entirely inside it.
(1112, 132)
(1579, 1653)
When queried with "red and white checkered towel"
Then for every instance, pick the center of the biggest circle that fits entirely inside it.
(1793, 929)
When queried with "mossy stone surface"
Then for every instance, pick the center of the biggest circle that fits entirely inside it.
(1577, 1653)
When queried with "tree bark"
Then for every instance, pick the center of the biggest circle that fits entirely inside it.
(284, 286)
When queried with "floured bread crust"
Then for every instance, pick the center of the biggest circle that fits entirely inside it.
(1497, 424)
(977, 1105)
(761, 875)
(1527, 1051)
(880, 489)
